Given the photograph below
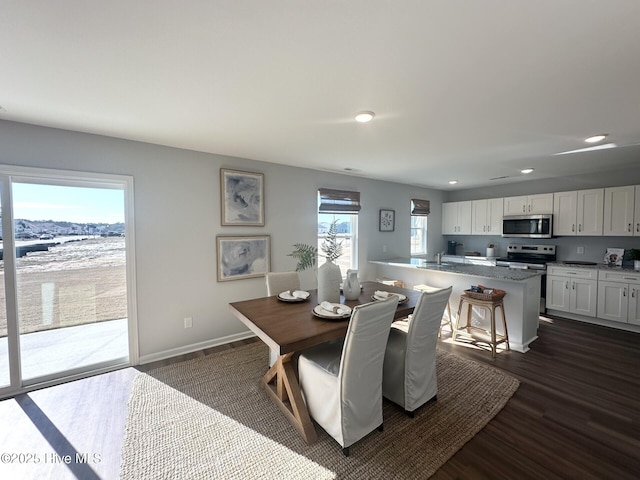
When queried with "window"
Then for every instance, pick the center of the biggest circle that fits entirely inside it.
(418, 236)
(420, 209)
(347, 227)
(341, 207)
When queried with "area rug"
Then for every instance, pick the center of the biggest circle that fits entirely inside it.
(208, 418)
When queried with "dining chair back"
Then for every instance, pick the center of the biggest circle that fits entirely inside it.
(278, 282)
(409, 372)
(342, 382)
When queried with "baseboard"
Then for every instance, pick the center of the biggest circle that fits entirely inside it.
(194, 347)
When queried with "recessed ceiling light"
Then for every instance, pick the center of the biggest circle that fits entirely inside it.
(596, 138)
(453, 182)
(364, 117)
(526, 170)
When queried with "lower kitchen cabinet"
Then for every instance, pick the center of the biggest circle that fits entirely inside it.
(619, 297)
(572, 290)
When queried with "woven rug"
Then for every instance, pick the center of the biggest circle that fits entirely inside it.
(208, 419)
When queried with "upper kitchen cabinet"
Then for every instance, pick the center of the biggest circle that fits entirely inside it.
(619, 211)
(456, 218)
(636, 230)
(486, 217)
(529, 204)
(578, 212)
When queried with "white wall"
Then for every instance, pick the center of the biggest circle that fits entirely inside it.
(177, 213)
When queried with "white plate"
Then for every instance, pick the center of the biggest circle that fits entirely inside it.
(401, 298)
(288, 297)
(318, 311)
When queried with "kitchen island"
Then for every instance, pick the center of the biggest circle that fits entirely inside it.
(522, 302)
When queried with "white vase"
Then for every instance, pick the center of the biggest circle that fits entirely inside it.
(351, 286)
(329, 278)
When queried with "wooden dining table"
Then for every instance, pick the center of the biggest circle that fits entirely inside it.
(289, 327)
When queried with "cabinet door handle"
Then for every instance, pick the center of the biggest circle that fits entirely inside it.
(524, 209)
(624, 292)
(638, 227)
(484, 229)
(573, 285)
(629, 227)
(579, 227)
(633, 293)
(566, 285)
(573, 227)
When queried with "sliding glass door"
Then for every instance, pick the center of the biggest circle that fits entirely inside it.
(69, 284)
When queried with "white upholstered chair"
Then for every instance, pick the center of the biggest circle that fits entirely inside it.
(342, 382)
(409, 373)
(278, 282)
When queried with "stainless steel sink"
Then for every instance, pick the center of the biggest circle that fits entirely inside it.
(432, 263)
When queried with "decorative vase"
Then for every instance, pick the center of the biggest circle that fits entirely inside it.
(636, 264)
(329, 278)
(351, 286)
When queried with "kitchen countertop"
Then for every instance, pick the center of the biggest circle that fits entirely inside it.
(499, 273)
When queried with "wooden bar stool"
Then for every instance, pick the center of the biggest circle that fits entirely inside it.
(446, 320)
(489, 336)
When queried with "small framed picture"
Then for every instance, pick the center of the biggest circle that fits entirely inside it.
(243, 257)
(241, 198)
(387, 220)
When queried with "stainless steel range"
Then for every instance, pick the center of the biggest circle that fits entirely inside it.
(528, 256)
(534, 257)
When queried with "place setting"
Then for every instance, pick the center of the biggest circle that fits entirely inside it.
(293, 296)
(332, 311)
(384, 295)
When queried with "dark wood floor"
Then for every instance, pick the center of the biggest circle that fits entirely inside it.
(575, 415)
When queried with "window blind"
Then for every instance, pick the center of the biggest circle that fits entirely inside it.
(339, 201)
(421, 208)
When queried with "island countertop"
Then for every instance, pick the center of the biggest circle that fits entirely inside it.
(499, 273)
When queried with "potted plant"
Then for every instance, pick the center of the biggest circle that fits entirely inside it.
(634, 254)
(329, 275)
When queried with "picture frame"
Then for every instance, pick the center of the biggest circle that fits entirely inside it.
(241, 198)
(240, 257)
(387, 220)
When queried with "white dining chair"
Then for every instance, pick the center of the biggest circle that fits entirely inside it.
(342, 381)
(409, 372)
(278, 282)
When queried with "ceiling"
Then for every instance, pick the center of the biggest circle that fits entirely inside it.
(466, 90)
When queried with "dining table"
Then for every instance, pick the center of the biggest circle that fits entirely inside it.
(288, 326)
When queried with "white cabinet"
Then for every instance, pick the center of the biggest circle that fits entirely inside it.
(486, 217)
(456, 218)
(619, 296)
(573, 290)
(636, 230)
(618, 211)
(529, 204)
(578, 212)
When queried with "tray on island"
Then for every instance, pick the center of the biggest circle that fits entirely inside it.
(497, 294)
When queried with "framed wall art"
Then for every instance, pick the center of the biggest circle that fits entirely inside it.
(241, 198)
(387, 221)
(243, 257)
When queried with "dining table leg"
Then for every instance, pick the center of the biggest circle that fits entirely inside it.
(287, 396)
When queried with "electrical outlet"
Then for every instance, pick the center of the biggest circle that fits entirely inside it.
(580, 250)
(188, 322)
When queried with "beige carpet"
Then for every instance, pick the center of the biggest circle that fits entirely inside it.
(208, 419)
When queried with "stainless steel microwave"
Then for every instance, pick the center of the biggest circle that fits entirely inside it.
(527, 226)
